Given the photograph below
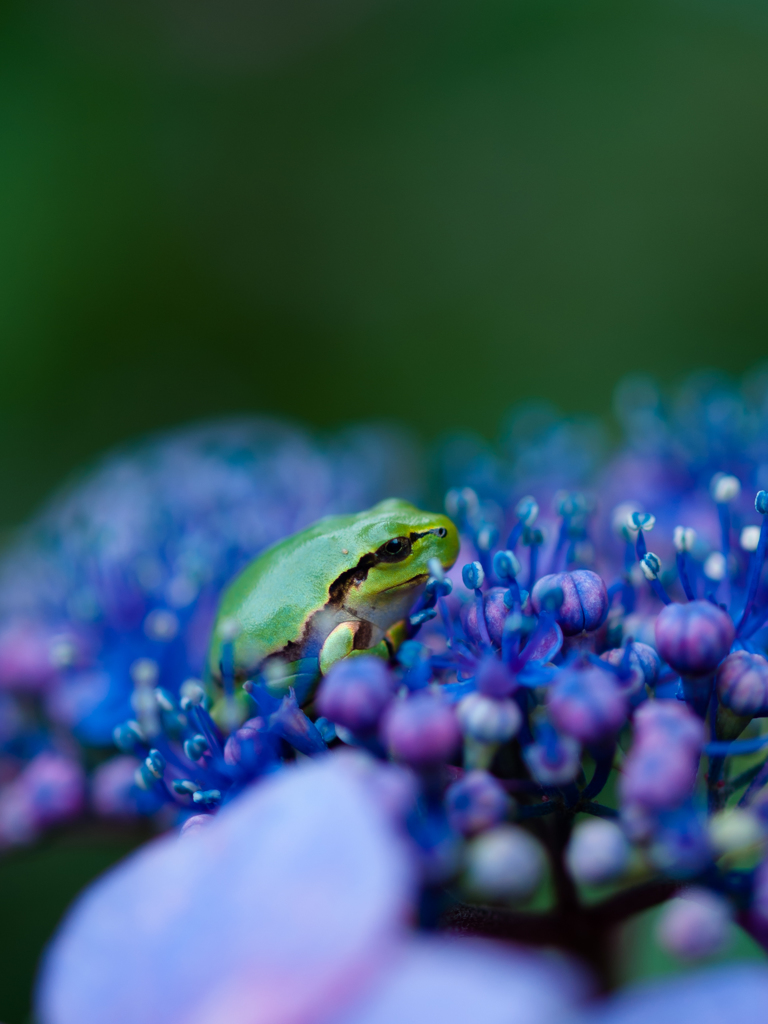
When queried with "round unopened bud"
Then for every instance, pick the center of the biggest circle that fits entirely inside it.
(587, 704)
(742, 683)
(355, 693)
(761, 502)
(694, 925)
(694, 638)
(506, 863)
(749, 538)
(584, 599)
(421, 730)
(598, 852)
(715, 566)
(527, 510)
(554, 763)
(684, 538)
(487, 719)
(506, 565)
(638, 663)
(473, 575)
(735, 830)
(724, 488)
(476, 802)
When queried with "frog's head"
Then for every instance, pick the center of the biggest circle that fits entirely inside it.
(397, 541)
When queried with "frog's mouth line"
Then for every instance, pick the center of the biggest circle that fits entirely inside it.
(422, 577)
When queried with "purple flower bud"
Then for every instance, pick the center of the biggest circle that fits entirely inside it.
(355, 693)
(496, 613)
(421, 730)
(587, 704)
(585, 599)
(660, 770)
(493, 678)
(112, 792)
(671, 722)
(555, 762)
(476, 802)
(488, 720)
(249, 745)
(695, 924)
(49, 790)
(695, 637)
(742, 683)
(641, 665)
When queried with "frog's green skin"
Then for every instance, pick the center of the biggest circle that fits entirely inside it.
(328, 591)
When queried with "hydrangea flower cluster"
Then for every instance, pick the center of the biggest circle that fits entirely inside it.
(111, 589)
(566, 711)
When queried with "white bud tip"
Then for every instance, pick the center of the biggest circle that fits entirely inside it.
(436, 569)
(715, 566)
(229, 629)
(750, 538)
(724, 488)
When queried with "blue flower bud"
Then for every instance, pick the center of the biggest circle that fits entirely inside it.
(207, 797)
(165, 699)
(473, 575)
(724, 488)
(326, 729)
(419, 618)
(155, 763)
(127, 736)
(486, 537)
(569, 504)
(761, 502)
(651, 566)
(185, 787)
(527, 510)
(506, 565)
(195, 748)
(641, 521)
(144, 778)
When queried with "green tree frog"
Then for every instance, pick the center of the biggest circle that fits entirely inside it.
(339, 587)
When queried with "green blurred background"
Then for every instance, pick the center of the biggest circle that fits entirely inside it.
(335, 209)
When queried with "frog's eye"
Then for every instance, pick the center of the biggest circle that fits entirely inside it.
(395, 550)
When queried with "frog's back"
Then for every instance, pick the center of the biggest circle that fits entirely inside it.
(273, 598)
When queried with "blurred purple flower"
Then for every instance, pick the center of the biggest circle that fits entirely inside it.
(290, 907)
